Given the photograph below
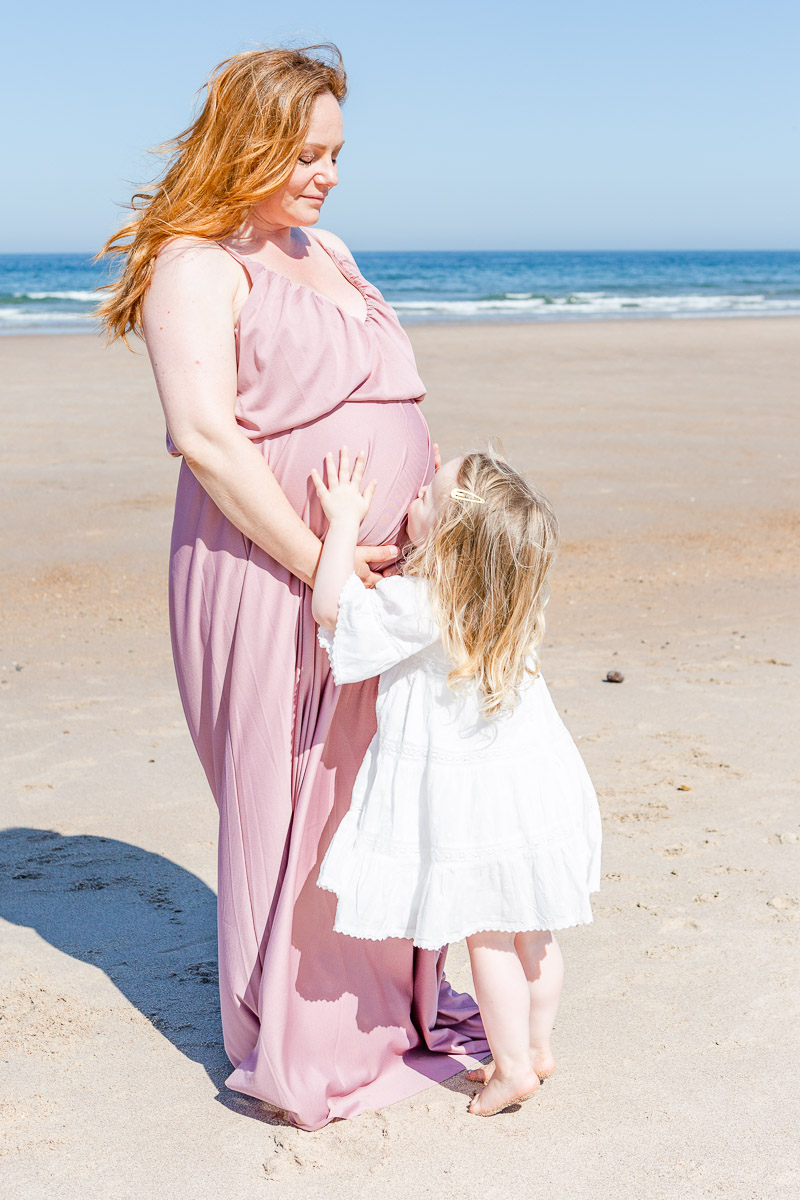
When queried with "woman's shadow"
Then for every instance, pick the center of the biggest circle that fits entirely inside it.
(148, 923)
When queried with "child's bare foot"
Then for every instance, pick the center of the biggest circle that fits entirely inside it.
(500, 1093)
(480, 1074)
(542, 1062)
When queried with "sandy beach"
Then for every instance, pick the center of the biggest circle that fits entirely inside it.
(670, 451)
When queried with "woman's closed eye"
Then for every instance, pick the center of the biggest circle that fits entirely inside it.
(308, 159)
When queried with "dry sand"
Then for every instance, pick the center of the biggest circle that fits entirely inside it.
(670, 450)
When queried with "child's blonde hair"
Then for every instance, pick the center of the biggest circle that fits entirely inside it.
(486, 561)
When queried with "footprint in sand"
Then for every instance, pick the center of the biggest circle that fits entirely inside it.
(787, 907)
(666, 953)
(672, 923)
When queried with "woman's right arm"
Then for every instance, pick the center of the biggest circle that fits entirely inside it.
(188, 327)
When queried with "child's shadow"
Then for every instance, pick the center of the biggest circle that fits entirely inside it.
(148, 923)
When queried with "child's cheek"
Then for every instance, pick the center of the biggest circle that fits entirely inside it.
(412, 523)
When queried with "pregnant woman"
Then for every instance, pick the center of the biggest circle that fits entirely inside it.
(269, 348)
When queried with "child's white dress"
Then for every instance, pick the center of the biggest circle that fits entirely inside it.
(457, 824)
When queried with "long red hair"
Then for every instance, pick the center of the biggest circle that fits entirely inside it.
(241, 148)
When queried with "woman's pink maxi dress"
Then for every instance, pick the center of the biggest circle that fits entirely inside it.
(319, 1024)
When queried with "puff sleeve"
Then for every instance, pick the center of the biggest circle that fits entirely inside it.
(378, 628)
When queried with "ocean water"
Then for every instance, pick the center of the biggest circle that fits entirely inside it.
(55, 293)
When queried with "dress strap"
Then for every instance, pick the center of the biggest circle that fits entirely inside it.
(249, 265)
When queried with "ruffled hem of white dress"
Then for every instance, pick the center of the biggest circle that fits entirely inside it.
(433, 902)
(421, 944)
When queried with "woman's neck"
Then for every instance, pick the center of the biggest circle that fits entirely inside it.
(256, 235)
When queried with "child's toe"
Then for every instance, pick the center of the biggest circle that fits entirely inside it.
(480, 1074)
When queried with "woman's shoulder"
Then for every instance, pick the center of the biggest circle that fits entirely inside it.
(196, 270)
(333, 242)
(194, 294)
(194, 259)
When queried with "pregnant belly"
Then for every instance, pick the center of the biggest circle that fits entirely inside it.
(399, 455)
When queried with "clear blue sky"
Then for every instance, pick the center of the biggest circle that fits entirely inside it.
(510, 124)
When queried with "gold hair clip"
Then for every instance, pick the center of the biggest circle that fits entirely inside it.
(464, 494)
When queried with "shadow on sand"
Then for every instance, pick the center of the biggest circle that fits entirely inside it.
(148, 923)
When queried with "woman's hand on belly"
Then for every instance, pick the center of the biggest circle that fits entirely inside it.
(372, 554)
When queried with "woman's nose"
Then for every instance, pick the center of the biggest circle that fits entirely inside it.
(328, 176)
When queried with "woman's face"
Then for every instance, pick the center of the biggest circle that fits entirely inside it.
(300, 200)
(422, 511)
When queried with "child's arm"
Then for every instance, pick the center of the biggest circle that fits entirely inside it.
(345, 507)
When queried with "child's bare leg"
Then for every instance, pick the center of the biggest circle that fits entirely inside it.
(540, 955)
(503, 995)
(543, 965)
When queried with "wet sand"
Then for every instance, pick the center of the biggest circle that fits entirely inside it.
(670, 451)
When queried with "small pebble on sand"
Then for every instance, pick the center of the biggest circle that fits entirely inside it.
(614, 677)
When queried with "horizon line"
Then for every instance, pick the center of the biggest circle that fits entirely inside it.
(517, 250)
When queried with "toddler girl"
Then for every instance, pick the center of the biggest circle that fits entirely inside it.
(472, 815)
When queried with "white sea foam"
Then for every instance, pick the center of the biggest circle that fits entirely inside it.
(578, 304)
(28, 317)
(91, 297)
(24, 316)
